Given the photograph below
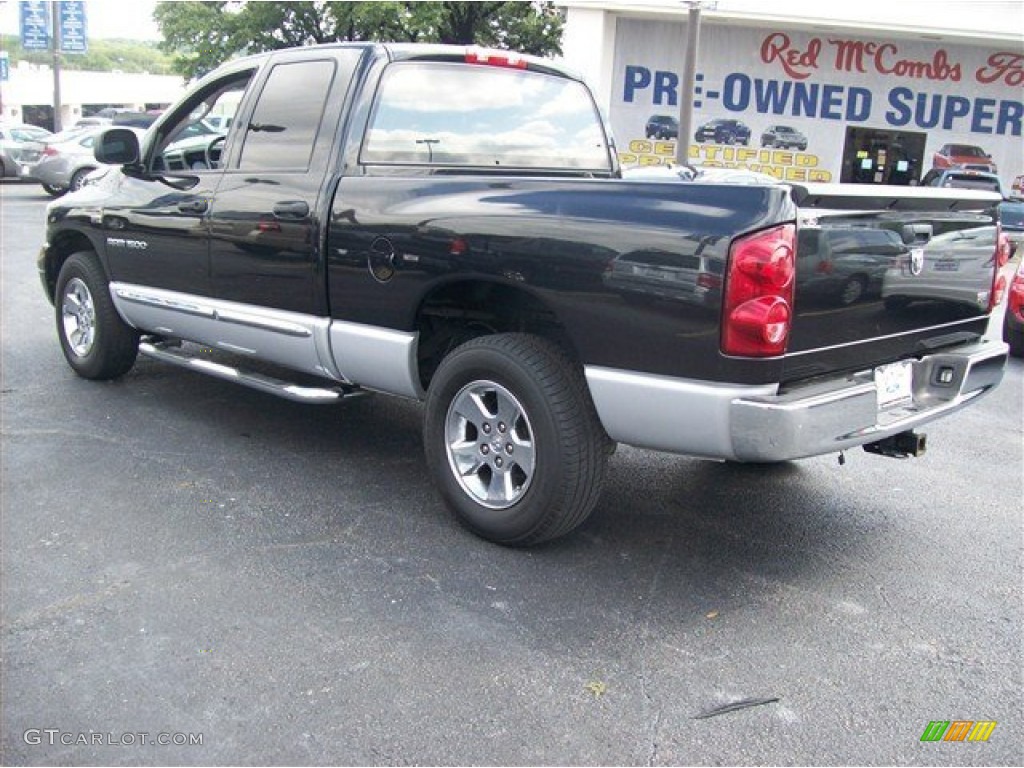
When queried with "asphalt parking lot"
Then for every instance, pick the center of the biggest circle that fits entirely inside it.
(259, 582)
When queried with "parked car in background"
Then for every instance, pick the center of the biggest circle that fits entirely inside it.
(92, 122)
(940, 270)
(135, 119)
(963, 156)
(662, 127)
(1011, 216)
(844, 265)
(1011, 210)
(723, 131)
(962, 178)
(223, 122)
(1013, 322)
(784, 137)
(66, 160)
(19, 146)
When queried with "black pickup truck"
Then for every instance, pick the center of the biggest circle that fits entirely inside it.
(451, 225)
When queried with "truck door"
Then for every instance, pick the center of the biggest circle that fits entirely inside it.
(265, 220)
(156, 227)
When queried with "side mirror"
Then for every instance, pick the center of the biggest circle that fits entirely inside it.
(117, 146)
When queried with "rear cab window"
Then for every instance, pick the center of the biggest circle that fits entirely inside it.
(444, 114)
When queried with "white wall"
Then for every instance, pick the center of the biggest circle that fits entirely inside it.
(31, 84)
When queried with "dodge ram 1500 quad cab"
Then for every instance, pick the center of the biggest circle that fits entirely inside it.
(450, 225)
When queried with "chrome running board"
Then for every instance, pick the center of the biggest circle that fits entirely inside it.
(170, 352)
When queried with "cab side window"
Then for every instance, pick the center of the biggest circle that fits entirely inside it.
(284, 125)
(192, 142)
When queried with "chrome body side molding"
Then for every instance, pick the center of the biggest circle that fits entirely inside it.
(352, 353)
(285, 338)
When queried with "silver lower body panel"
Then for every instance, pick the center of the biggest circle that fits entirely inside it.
(760, 424)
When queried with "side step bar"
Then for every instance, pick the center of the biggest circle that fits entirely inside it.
(170, 352)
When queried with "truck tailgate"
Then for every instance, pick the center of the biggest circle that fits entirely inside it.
(885, 273)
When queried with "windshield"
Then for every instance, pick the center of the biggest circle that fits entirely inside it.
(965, 150)
(29, 134)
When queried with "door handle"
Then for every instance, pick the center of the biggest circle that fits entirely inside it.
(291, 209)
(193, 206)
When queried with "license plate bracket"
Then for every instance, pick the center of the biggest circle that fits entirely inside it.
(894, 385)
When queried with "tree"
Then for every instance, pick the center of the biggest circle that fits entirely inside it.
(202, 35)
(102, 56)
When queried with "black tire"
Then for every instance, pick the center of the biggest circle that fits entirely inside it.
(53, 191)
(546, 466)
(853, 290)
(96, 342)
(78, 179)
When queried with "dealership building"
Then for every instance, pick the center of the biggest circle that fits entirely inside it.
(866, 94)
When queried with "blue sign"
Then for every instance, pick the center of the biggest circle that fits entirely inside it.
(5, 67)
(74, 36)
(35, 26)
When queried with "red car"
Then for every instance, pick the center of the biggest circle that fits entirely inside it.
(963, 156)
(1013, 323)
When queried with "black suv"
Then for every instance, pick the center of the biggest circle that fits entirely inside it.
(783, 136)
(721, 131)
(662, 127)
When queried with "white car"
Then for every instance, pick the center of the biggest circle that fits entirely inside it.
(19, 146)
(66, 160)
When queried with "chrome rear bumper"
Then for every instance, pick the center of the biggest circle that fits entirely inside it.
(761, 424)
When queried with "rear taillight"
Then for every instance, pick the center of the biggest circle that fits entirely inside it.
(49, 151)
(1015, 300)
(998, 292)
(495, 58)
(1002, 256)
(758, 306)
(1002, 249)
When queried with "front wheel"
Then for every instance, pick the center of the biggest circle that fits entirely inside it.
(97, 343)
(53, 191)
(512, 439)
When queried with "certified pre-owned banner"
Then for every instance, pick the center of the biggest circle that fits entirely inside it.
(799, 105)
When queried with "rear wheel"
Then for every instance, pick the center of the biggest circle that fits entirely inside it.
(512, 439)
(853, 290)
(97, 343)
